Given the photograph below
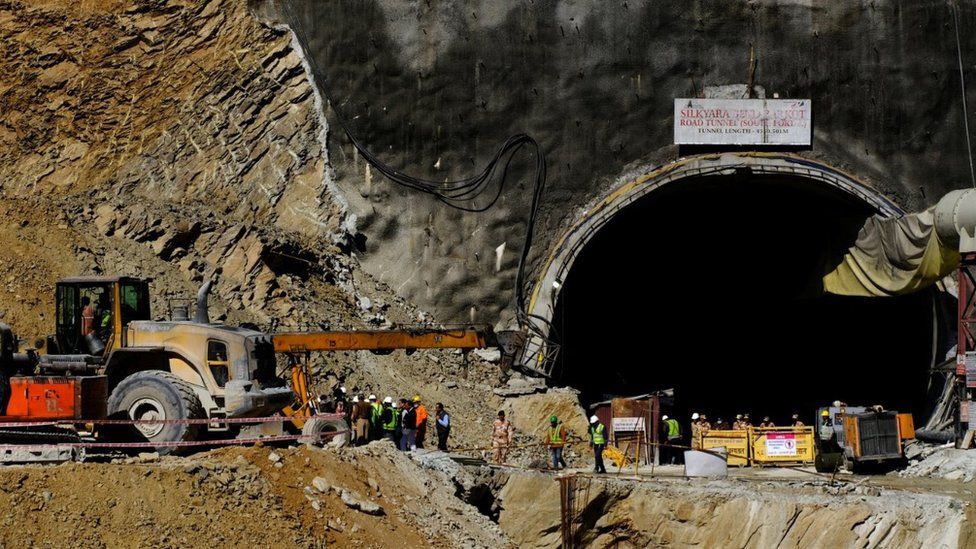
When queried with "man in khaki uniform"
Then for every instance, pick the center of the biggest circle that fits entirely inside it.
(695, 430)
(502, 436)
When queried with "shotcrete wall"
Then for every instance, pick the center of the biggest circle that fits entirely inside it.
(433, 86)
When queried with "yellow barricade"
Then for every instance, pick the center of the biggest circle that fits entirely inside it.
(736, 443)
(781, 445)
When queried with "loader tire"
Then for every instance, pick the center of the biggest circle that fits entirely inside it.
(316, 427)
(155, 394)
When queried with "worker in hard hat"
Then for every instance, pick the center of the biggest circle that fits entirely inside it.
(502, 437)
(598, 441)
(746, 421)
(797, 422)
(556, 437)
(421, 420)
(375, 411)
(737, 424)
(826, 426)
(695, 431)
(767, 423)
(672, 433)
(705, 425)
(361, 411)
(389, 420)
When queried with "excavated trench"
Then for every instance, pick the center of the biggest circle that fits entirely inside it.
(712, 286)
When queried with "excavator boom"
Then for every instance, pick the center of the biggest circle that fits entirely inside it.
(383, 340)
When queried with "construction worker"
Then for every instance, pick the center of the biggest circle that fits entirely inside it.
(556, 437)
(598, 441)
(87, 316)
(443, 425)
(826, 426)
(361, 411)
(409, 421)
(695, 431)
(673, 434)
(400, 410)
(766, 423)
(705, 426)
(720, 425)
(389, 419)
(375, 411)
(746, 422)
(797, 422)
(502, 436)
(737, 424)
(421, 421)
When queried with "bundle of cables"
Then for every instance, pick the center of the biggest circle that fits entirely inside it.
(463, 194)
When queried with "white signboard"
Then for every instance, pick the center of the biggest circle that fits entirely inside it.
(628, 424)
(780, 444)
(742, 122)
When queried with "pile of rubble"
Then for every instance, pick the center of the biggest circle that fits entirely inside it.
(946, 462)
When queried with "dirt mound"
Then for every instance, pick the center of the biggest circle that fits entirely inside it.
(256, 496)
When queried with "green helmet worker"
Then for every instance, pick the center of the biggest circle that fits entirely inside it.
(556, 437)
(598, 440)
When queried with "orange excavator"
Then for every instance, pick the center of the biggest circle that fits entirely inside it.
(298, 346)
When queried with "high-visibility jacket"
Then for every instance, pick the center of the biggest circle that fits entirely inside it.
(390, 424)
(598, 434)
(557, 436)
(375, 410)
(674, 428)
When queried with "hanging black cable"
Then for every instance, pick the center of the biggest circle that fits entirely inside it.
(460, 193)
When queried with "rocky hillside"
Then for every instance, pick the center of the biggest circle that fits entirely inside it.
(161, 138)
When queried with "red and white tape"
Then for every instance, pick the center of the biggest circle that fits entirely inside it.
(173, 444)
(201, 421)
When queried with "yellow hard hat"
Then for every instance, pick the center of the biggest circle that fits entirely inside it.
(824, 413)
(416, 398)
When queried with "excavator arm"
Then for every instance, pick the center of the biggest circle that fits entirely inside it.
(297, 346)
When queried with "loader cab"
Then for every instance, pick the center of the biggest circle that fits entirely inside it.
(92, 313)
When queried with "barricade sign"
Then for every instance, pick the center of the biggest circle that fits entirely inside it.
(782, 445)
(735, 442)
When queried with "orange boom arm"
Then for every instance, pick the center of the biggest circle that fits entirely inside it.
(382, 340)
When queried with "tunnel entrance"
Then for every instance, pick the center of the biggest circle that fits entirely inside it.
(712, 286)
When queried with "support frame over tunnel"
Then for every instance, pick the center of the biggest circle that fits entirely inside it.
(636, 185)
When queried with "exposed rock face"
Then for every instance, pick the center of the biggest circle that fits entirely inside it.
(727, 514)
(432, 88)
(187, 102)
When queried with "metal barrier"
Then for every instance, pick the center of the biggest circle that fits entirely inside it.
(735, 442)
(781, 445)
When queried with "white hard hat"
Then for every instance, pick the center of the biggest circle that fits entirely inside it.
(343, 389)
(372, 397)
(388, 400)
(594, 419)
(694, 415)
(665, 418)
(355, 398)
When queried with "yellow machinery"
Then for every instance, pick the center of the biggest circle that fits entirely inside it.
(186, 368)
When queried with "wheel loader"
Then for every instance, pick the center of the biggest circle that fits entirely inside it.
(108, 358)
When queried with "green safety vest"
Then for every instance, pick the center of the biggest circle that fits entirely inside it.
(394, 419)
(674, 429)
(374, 414)
(556, 434)
(598, 434)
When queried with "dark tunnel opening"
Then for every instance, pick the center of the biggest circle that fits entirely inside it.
(712, 287)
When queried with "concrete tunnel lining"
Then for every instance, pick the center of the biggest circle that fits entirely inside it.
(834, 193)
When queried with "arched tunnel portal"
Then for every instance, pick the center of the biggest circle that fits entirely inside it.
(705, 276)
